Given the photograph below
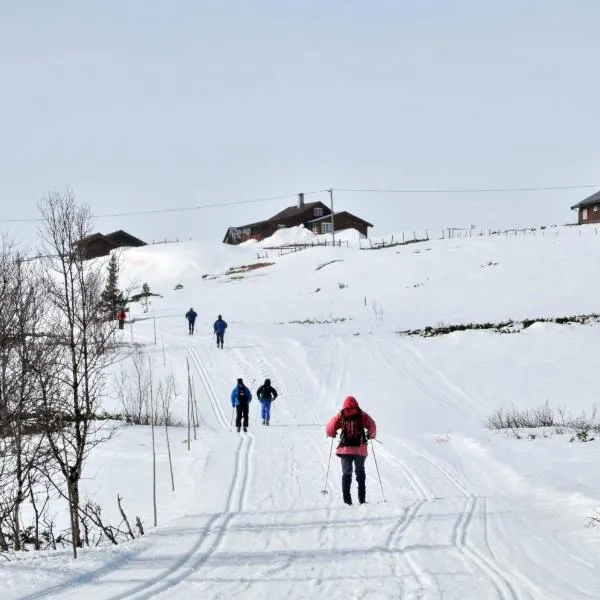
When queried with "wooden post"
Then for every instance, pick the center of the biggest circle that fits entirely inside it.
(189, 407)
(154, 322)
(194, 408)
(152, 418)
(332, 218)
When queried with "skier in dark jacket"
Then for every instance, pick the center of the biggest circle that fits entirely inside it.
(191, 315)
(266, 393)
(219, 328)
(240, 400)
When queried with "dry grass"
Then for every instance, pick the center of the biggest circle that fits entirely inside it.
(246, 268)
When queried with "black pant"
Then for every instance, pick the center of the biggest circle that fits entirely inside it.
(191, 326)
(121, 323)
(359, 469)
(220, 338)
(241, 413)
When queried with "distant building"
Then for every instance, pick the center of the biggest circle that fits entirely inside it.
(315, 216)
(98, 244)
(588, 210)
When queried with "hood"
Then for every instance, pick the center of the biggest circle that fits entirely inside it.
(350, 402)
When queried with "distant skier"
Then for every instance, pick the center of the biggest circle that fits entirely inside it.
(353, 448)
(240, 400)
(191, 315)
(219, 327)
(121, 316)
(266, 393)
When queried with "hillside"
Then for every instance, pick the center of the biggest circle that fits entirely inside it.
(460, 511)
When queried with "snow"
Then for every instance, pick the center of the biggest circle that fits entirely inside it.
(468, 512)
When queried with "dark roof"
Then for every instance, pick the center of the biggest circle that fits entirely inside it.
(96, 236)
(290, 211)
(286, 213)
(593, 199)
(338, 214)
(121, 233)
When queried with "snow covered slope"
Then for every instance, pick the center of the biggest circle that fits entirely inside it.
(461, 512)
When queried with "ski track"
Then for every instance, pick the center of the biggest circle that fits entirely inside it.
(210, 390)
(300, 393)
(488, 565)
(422, 472)
(219, 524)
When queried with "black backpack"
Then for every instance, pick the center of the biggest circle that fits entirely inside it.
(266, 391)
(242, 396)
(353, 432)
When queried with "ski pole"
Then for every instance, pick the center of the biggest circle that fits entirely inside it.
(212, 342)
(231, 423)
(377, 467)
(324, 490)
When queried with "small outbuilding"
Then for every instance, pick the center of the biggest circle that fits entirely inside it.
(99, 244)
(588, 210)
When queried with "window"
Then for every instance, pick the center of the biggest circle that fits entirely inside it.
(584, 214)
(318, 211)
(280, 226)
(595, 209)
(326, 227)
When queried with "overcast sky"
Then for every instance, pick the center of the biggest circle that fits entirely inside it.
(147, 105)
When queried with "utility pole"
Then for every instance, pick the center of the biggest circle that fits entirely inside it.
(332, 221)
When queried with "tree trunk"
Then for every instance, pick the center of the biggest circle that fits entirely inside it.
(73, 486)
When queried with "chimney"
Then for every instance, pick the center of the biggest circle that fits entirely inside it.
(300, 200)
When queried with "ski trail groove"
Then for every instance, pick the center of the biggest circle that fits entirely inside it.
(460, 538)
(501, 584)
(210, 390)
(300, 392)
(394, 546)
(218, 526)
(414, 481)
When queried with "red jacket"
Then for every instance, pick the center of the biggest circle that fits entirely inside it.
(335, 423)
(121, 315)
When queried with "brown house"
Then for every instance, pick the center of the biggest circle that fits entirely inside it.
(98, 244)
(315, 216)
(588, 210)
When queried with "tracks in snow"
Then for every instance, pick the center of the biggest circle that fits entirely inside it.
(211, 536)
(213, 533)
(434, 475)
(208, 386)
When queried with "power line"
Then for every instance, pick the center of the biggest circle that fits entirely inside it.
(176, 210)
(467, 190)
(189, 208)
(346, 190)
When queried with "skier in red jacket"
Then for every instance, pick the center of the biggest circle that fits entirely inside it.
(353, 446)
(121, 316)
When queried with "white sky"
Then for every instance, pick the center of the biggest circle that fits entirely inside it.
(146, 106)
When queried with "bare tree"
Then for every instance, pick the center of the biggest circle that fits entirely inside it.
(83, 343)
(21, 348)
(166, 391)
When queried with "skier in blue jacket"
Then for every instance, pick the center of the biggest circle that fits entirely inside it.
(240, 400)
(219, 328)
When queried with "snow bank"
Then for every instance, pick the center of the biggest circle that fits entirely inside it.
(289, 236)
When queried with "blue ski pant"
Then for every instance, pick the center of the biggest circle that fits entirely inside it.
(265, 410)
